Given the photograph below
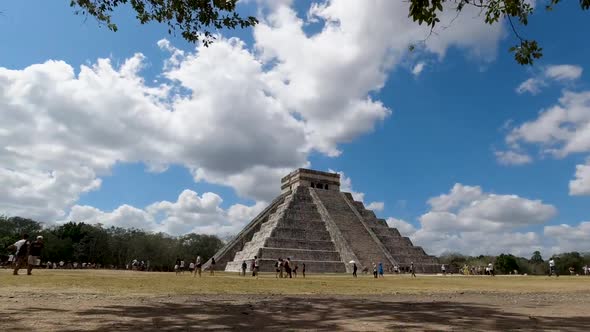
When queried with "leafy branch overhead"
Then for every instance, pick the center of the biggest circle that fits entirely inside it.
(514, 11)
(192, 18)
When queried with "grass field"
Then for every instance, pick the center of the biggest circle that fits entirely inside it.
(145, 284)
(88, 300)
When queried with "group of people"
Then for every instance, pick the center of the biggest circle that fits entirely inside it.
(194, 267)
(284, 268)
(27, 254)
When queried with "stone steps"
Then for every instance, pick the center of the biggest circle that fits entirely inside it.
(299, 244)
(297, 233)
(351, 228)
(299, 254)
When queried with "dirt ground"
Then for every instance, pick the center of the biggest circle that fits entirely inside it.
(61, 308)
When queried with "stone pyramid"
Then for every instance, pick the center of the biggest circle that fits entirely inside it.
(312, 222)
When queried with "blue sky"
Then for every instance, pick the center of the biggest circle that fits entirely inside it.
(402, 136)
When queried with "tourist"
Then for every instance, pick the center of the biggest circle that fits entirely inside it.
(35, 253)
(198, 265)
(443, 270)
(21, 248)
(10, 260)
(182, 266)
(491, 269)
(354, 268)
(279, 268)
(212, 266)
(177, 269)
(412, 269)
(396, 269)
(572, 270)
(552, 268)
(191, 267)
(374, 270)
(288, 269)
(381, 270)
(303, 270)
(256, 267)
(295, 270)
(244, 267)
(585, 269)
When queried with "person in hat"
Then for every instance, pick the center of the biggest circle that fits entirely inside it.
(35, 249)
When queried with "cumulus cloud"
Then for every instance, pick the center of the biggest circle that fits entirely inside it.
(233, 114)
(581, 184)
(418, 68)
(191, 212)
(559, 131)
(404, 227)
(513, 158)
(554, 73)
(569, 237)
(471, 221)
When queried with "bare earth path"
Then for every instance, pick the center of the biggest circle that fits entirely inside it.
(128, 301)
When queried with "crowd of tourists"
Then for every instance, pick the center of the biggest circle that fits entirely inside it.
(194, 267)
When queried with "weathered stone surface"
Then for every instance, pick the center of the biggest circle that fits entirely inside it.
(312, 222)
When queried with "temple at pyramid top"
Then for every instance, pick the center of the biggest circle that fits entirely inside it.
(310, 178)
(313, 223)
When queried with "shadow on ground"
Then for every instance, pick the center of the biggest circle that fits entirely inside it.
(320, 314)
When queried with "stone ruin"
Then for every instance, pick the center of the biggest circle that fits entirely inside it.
(313, 222)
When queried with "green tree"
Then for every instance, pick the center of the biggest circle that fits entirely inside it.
(194, 19)
(506, 263)
(536, 258)
(516, 12)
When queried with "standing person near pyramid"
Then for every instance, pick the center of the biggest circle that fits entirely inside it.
(412, 269)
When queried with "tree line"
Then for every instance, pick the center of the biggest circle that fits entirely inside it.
(111, 247)
(508, 263)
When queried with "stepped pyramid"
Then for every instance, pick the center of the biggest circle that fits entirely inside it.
(312, 222)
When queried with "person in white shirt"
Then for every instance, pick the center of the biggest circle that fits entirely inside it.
(443, 269)
(552, 269)
(21, 248)
(491, 269)
(191, 267)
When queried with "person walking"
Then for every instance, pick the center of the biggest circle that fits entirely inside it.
(412, 269)
(552, 268)
(295, 270)
(35, 253)
(303, 270)
(443, 270)
(279, 268)
(181, 266)
(374, 270)
(288, 269)
(244, 267)
(354, 269)
(198, 266)
(21, 248)
(256, 267)
(381, 270)
(212, 266)
(491, 269)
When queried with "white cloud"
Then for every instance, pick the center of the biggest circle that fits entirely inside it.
(190, 213)
(581, 184)
(404, 227)
(531, 85)
(513, 158)
(564, 72)
(376, 206)
(418, 68)
(559, 73)
(569, 238)
(559, 131)
(227, 113)
(471, 221)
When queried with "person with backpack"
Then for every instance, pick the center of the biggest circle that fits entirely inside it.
(21, 248)
(35, 249)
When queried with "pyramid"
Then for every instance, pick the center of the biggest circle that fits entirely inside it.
(313, 222)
